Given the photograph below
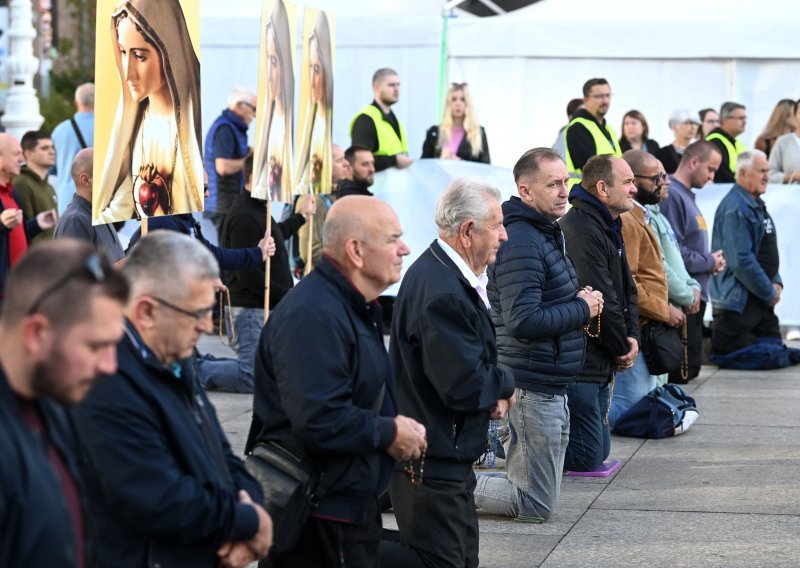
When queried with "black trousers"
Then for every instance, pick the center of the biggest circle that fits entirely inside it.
(694, 345)
(731, 331)
(438, 524)
(331, 544)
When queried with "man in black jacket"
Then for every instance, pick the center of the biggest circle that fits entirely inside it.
(325, 388)
(538, 311)
(362, 166)
(164, 485)
(443, 349)
(245, 224)
(59, 329)
(593, 231)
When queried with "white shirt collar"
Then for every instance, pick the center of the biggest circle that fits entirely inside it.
(474, 281)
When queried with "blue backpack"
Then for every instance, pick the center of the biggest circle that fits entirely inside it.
(663, 412)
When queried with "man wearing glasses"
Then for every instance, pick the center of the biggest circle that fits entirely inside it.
(225, 150)
(643, 252)
(733, 117)
(164, 486)
(59, 329)
(588, 133)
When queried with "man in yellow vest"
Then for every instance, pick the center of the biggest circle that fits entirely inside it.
(376, 126)
(588, 133)
(733, 120)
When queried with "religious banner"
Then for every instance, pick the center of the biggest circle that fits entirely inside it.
(147, 159)
(272, 159)
(314, 155)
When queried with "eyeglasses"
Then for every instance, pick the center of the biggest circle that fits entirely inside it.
(248, 105)
(197, 315)
(656, 179)
(93, 267)
(738, 117)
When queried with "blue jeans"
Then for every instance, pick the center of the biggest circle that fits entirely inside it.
(235, 375)
(535, 460)
(589, 436)
(629, 388)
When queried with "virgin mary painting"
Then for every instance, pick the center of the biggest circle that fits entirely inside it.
(153, 164)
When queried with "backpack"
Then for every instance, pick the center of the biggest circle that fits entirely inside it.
(663, 412)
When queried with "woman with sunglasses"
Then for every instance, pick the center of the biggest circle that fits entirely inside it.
(459, 136)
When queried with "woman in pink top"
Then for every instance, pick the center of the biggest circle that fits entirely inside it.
(459, 136)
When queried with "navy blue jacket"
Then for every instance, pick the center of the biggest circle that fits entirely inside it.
(228, 119)
(227, 258)
(595, 245)
(162, 480)
(533, 289)
(443, 350)
(35, 524)
(31, 230)
(320, 369)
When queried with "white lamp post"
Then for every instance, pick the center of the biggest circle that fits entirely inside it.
(22, 105)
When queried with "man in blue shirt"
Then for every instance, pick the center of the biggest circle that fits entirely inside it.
(69, 138)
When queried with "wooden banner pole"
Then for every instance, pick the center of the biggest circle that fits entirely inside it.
(268, 263)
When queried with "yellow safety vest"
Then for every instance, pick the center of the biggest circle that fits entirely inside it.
(602, 145)
(733, 149)
(388, 142)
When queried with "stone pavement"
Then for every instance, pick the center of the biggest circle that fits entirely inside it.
(726, 493)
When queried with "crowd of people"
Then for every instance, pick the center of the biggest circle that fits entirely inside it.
(535, 309)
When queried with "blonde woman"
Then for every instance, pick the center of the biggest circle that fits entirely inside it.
(153, 165)
(273, 158)
(459, 136)
(781, 121)
(314, 158)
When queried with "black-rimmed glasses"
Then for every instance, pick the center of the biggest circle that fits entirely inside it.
(248, 105)
(197, 315)
(92, 268)
(658, 178)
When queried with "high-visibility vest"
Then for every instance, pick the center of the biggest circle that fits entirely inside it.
(389, 144)
(602, 145)
(733, 149)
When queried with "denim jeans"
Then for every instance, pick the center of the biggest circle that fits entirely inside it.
(589, 436)
(235, 375)
(534, 462)
(629, 388)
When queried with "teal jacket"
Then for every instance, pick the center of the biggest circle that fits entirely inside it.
(680, 285)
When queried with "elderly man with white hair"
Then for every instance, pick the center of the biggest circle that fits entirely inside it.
(224, 153)
(444, 353)
(744, 295)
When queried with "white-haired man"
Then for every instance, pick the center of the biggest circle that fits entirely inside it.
(224, 153)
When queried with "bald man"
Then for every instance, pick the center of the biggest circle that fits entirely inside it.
(76, 221)
(324, 386)
(14, 232)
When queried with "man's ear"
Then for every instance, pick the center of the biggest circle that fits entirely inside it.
(354, 252)
(142, 313)
(37, 335)
(465, 232)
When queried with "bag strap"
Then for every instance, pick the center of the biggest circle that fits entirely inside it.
(685, 361)
(78, 133)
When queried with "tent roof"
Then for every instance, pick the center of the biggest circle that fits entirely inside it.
(632, 29)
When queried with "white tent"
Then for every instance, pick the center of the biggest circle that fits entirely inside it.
(524, 67)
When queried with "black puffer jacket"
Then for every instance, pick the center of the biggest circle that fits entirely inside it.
(535, 310)
(594, 243)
